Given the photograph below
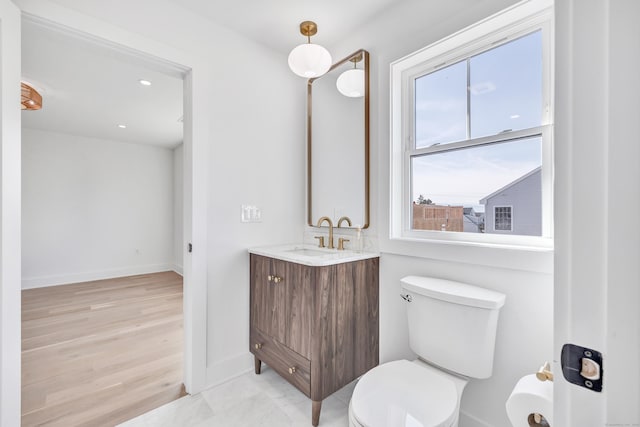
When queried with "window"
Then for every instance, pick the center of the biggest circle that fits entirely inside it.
(471, 134)
(502, 218)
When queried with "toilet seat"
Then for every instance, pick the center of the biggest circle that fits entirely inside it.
(402, 393)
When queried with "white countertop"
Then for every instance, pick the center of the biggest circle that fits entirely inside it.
(311, 255)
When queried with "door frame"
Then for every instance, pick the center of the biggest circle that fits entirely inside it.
(10, 240)
(597, 241)
(193, 71)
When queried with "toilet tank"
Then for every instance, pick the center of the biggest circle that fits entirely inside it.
(453, 325)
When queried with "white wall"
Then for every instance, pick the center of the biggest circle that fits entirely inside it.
(178, 208)
(259, 160)
(93, 209)
(525, 330)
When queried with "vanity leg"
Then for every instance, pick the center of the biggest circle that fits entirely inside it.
(315, 412)
(258, 364)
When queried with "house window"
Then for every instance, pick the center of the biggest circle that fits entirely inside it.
(502, 218)
(471, 133)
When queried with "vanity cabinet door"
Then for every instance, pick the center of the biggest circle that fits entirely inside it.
(281, 302)
(298, 308)
(268, 297)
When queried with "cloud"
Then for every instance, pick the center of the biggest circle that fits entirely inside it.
(466, 176)
(481, 88)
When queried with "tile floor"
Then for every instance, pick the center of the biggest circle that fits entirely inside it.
(250, 400)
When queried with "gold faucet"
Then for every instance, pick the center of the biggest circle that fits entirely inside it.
(320, 221)
(344, 218)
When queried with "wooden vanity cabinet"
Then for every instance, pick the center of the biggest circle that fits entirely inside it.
(317, 326)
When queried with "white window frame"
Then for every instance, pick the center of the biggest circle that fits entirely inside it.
(508, 25)
(495, 216)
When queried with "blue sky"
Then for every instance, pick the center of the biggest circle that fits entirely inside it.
(505, 93)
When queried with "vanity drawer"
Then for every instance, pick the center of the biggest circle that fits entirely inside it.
(290, 365)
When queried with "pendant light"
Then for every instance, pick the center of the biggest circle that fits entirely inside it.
(309, 60)
(351, 82)
(30, 99)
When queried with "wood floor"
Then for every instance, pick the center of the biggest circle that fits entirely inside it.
(98, 353)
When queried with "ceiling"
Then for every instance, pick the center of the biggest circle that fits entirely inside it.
(89, 89)
(275, 23)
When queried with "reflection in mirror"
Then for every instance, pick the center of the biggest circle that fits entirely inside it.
(338, 143)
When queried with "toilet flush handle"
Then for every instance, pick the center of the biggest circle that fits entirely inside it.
(406, 297)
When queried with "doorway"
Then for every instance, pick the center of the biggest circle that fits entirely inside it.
(193, 311)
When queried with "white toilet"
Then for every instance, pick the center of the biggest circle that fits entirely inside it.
(452, 328)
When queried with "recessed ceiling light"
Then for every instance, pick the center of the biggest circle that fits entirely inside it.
(122, 126)
(144, 82)
(514, 116)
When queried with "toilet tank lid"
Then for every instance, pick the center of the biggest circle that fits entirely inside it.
(454, 292)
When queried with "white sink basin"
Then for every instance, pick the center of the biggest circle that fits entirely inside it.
(310, 254)
(307, 252)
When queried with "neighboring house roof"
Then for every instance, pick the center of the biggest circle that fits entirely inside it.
(511, 184)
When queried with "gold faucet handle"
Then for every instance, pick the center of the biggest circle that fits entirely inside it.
(320, 241)
(341, 242)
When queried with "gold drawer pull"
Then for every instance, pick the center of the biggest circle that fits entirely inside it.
(258, 346)
(277, 279)
(292, 370)
(270, 278)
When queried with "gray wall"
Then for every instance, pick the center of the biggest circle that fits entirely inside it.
(525, 199)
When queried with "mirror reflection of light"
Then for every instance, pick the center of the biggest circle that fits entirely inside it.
(351, 83)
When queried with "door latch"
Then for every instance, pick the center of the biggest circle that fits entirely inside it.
(582, 366)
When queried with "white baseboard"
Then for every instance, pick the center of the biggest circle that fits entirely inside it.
(44, 281)
(178, 269)
(229, 369)
(467, 420)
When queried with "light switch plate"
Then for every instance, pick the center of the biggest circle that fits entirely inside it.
(251, 213)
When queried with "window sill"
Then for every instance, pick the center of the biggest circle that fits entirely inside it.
(525, 257)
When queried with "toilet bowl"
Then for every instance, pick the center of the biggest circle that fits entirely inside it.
(452, 328)
(404, 393)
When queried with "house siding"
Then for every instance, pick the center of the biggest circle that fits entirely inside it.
(525, 199)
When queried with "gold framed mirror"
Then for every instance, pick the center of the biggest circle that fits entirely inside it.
(338, 143)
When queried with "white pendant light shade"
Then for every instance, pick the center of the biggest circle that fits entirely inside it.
(309, 60)
(351, 83)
